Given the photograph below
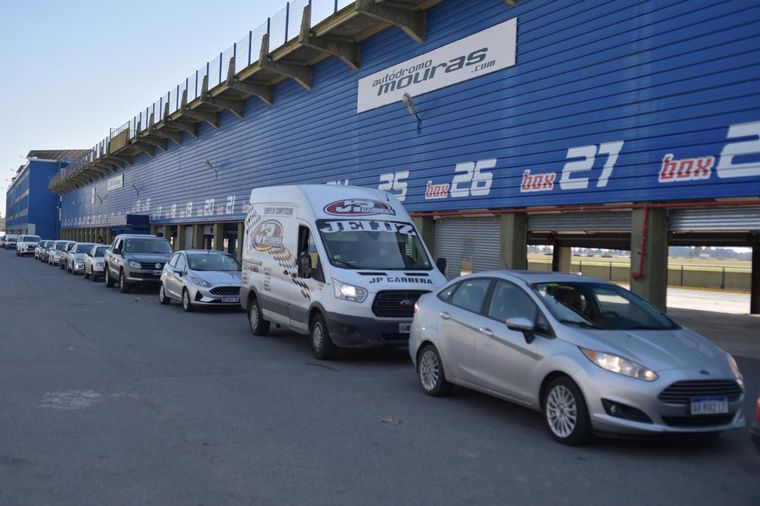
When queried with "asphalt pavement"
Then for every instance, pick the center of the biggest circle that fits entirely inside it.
(108, 398)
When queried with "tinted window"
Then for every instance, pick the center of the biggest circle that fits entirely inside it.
(510, 301)
(470, 294)
(212, 262)
(100, 251)
(445, 294)
(181, 263)
(159, 246)
(173, 260)
(83, 248)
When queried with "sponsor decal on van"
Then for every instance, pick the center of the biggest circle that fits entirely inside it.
(358, 207)
(267, 235)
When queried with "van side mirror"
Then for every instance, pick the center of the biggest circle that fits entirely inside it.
(304, 266)
(520, 324)
(441, 264)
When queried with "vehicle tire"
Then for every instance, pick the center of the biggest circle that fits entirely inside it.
(123, 285)
(85, 275)
(187, 304)
(430, 372)
(565, 412)
(107, 277)
(256, 322)
(322, 345)
(162, 298)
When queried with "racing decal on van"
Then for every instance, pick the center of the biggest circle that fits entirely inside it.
(358, 207)
(267, 235)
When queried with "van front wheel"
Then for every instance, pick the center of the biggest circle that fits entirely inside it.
(321, 343)
(259, 326)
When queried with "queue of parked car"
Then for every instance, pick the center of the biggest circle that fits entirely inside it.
(347, 268)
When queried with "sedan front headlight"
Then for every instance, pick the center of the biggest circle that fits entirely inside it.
(135, 265)
(619, 365)
(200, 282)
(349, 292)
(735, 369)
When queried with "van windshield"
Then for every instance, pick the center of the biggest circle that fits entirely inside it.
(372, 244)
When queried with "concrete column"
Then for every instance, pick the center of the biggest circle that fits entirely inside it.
(562, 257)
(514, 241)
(426, 227)
(754, 298)
(198, 236)
(240, 240)
(181, 238)
(649, 264)
(219, 236)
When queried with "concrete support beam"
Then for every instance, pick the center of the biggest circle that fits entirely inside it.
(754, 298)
(302, 74)
(144, 147)
(198, 236)
(153, 140)
(219, 236)
(212, 118)
(426, 228)
(346, 51)
(412, 22)
(514, 241)
(562, 257)
(240, 240)
(175, 137)
(236, 107)
(182, 126)
(649, 255)
(262, 91)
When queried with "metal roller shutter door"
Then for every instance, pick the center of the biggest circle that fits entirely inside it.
(580, 222)
(715, 219)
(476, 238)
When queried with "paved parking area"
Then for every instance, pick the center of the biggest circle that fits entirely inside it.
(113, 399)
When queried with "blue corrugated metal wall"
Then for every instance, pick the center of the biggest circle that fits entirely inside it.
(663, 77)
(39, 206)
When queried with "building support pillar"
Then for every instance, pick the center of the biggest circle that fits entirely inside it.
(240, 241)
(219, 236)
(426, 228)
(562, 258)
(181, 238)
(198, 236)
(649, 255)
(169, 235)
(514, 241)
(754, 298)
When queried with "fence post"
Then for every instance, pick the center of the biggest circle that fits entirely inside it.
(610, 271)
(287, 20)
(681, 274)
(723, 279)
(580, 267)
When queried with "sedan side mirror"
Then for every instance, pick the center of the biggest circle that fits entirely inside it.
(304, 266)
(520, 324)
(441, 264)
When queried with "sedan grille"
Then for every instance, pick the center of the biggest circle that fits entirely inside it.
(396, 303)
(227, 291)
(681, 392)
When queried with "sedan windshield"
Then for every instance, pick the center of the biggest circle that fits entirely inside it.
(601, 306)
(83, 248)
(369, 244)
(30, 238)
(59, 246)
(101, 251)
(212, 262)
(147, 246)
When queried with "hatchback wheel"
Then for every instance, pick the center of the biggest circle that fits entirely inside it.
(322, 345)
(259, 326)
(123, 285)
(565, 412)
(162, 298)
(187, 304)
(430, 372)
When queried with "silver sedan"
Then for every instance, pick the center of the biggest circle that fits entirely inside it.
(201, 278)
(590, 355)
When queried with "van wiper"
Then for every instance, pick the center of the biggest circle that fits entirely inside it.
(337, 261)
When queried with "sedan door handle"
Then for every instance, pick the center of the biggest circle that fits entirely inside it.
(445, 315)
(486, 331)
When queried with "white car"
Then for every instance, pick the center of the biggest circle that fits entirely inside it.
(75, 257)
(94, 263)
(201, 278)
(26, 244)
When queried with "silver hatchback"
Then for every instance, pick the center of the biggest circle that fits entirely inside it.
(590, 355)
(201, 278)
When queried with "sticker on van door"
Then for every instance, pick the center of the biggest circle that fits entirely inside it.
(358, 207)
(267, 235)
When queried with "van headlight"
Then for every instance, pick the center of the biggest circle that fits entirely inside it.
(349, 292)
(135, 265)
(619, 365)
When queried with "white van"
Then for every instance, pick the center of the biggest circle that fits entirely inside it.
(341, 264)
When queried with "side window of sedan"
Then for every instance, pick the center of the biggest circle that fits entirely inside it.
(471, 293)
(510, 301)
(173, 260)
(181, 263)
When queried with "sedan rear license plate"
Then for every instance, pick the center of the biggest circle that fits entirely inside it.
(404, 328)
(231, 299)
(709, 406)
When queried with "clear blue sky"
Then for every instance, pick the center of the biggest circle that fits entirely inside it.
(73, 69)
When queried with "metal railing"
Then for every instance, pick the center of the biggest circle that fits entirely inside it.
(282, 28)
